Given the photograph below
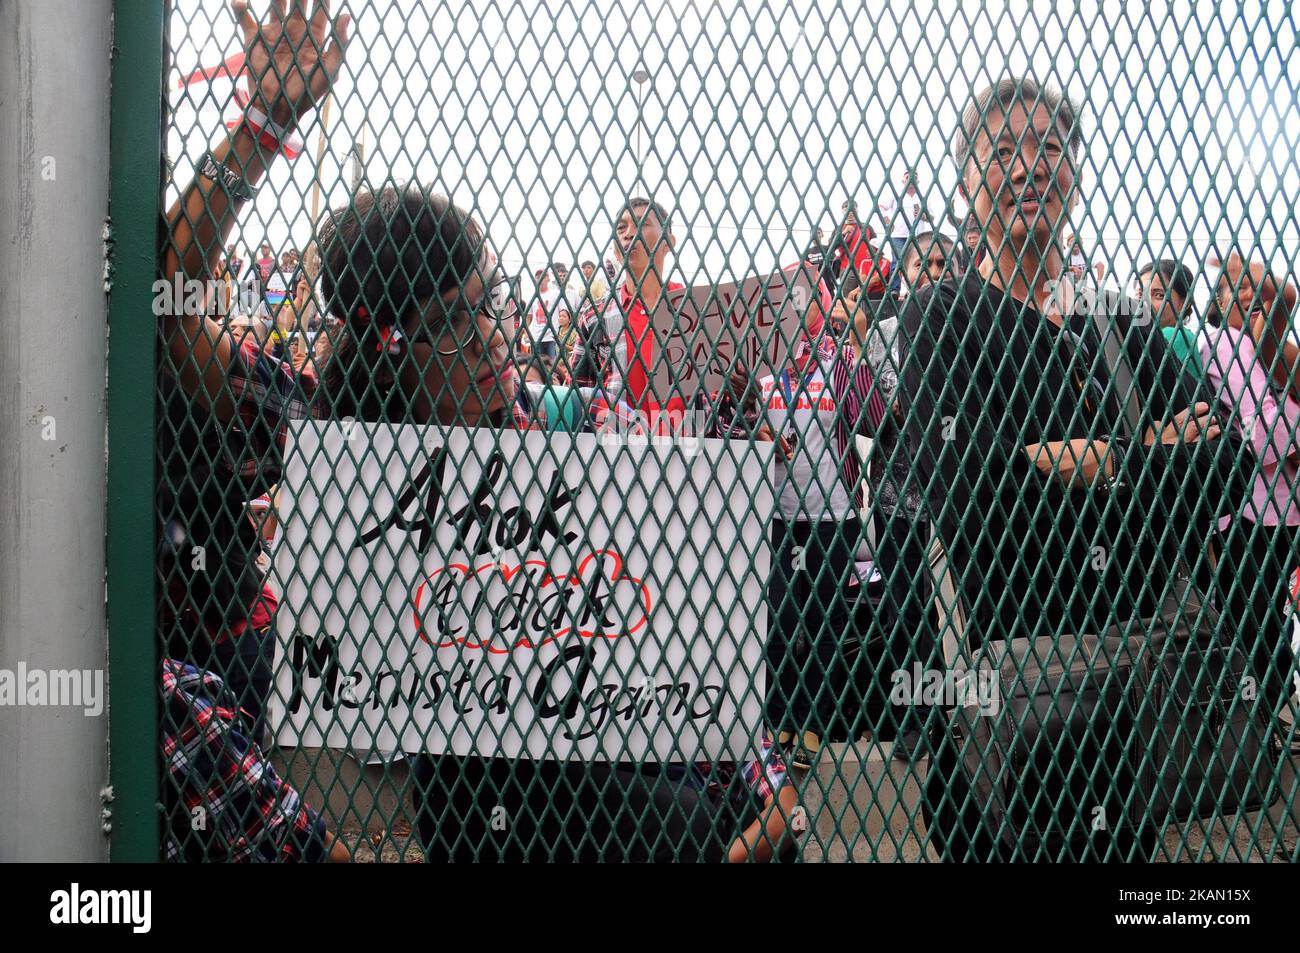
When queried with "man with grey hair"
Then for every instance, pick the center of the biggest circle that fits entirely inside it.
(1020, 211)
(1018, 434)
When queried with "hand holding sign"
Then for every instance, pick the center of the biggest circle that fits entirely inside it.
(740, 384)
(783, 444)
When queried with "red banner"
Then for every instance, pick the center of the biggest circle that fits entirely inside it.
(230, 68)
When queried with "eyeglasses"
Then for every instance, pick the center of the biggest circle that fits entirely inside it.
(462, 326)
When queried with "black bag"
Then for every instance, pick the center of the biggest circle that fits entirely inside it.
(1223, 740)
(1044, 777)
(1097, 740)
(1092, 743)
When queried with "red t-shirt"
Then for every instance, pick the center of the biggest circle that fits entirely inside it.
(859, 252)
(640, 341)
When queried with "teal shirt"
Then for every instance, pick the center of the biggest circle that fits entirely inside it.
(1183, 343)
(563, 408)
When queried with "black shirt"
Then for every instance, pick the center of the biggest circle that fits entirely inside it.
(986, 375)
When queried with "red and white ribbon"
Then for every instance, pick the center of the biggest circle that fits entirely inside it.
(270, 134)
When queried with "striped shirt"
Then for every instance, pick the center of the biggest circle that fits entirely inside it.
(860, 409)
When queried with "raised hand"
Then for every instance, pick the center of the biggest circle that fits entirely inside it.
(287, 56)
(1270, 306)
(764, 434)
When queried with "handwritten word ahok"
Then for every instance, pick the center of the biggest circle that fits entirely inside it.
(479, 526)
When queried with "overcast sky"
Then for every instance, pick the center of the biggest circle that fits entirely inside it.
(760, 119)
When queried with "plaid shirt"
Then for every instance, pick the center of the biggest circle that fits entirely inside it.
(225, 801)
(758, 780)
(767, 774)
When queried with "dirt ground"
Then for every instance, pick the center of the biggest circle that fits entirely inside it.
(862, 808)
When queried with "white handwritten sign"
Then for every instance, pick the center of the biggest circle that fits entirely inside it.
(520, 593)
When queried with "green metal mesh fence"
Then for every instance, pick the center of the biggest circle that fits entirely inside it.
(734, 431)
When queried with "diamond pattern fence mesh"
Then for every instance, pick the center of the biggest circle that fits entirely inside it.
(683, 431)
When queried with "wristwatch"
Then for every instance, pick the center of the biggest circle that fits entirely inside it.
(1120, 448)
(234, 184)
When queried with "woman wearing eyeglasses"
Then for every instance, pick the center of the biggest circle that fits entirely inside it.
(421, 310)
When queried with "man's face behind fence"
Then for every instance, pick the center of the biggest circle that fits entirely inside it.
(640, 240)
(1020, 176)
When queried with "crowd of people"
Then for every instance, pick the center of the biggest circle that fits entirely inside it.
(965, 361)
(270, 300)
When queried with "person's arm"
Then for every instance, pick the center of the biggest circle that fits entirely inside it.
(614, 374)
(858, 337)
(303, 310)
(286, 319)
(763, 839)
(335, 850)
(1085, 463)
(1280, 355)
(1285, 366)
(1184, 458)
(1077, 463)
(219, 765)
(292, 68)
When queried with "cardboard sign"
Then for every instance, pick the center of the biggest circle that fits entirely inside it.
(757, 319)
